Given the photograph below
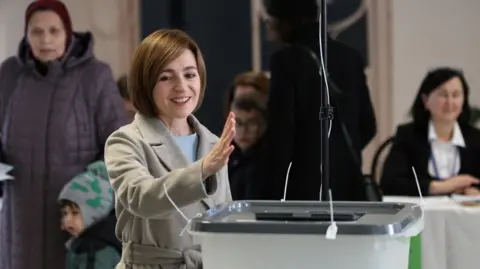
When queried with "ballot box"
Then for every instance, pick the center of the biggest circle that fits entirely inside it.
(291, 235)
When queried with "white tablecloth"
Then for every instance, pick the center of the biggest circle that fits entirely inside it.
(451, 237)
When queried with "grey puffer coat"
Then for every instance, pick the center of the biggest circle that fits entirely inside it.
(52, 126)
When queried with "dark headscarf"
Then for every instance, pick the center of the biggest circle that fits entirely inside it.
(53, 5)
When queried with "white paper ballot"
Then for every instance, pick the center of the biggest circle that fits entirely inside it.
(4, 169)
(465, 198)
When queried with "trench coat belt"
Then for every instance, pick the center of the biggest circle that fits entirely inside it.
(133, 253)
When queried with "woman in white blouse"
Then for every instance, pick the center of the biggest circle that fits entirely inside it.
(440, 142)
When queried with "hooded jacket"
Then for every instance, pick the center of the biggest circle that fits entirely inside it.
(55, 119)
(97, 246)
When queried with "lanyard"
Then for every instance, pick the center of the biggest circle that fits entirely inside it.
(435, 167)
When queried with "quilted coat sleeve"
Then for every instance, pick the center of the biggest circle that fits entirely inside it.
(9, 71)
(110, 113)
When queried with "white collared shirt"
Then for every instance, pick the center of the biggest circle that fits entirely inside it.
(446, 154)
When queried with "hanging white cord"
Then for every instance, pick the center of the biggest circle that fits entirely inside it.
(286, 183)
(320, 192)
(332, 229)
(189, 221)
(418, 187)
(422, 201)
(323, 71)
(323, 74)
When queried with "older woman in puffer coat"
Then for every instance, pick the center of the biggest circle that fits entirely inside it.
(58, 105)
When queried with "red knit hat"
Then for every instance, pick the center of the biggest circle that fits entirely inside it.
(55, 6)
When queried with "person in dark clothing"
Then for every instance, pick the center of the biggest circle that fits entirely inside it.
(58, 106)
(293, 133)
(243, 164)
(86, 204)
(97, 247)
(440, 142)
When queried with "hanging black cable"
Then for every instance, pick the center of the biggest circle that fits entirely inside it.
(326, 111)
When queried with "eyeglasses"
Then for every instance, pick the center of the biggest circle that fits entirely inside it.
(249, 125)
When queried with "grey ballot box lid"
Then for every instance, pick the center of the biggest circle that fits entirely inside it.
(308, 218)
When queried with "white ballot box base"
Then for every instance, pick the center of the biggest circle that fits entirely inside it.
(303, 251)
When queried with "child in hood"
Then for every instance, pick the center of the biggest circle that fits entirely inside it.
(86, 203)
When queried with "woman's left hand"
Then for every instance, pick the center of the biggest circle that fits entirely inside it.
(471, 191)
(218, 156)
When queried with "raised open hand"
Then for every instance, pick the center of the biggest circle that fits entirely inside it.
(218, 156)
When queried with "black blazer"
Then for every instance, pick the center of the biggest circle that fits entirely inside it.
(412, 148)
(293, 133)
(243, 171)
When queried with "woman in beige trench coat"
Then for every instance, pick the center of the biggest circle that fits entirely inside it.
(165, 157)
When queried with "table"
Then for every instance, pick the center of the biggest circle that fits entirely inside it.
(451, 237)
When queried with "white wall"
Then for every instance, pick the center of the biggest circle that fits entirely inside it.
(430, 33)
(11, 25)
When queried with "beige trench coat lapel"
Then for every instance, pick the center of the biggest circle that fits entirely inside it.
(155, 132)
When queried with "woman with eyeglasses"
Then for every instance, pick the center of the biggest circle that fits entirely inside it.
(440, 143)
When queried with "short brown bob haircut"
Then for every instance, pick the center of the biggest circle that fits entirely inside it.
(151, 57)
